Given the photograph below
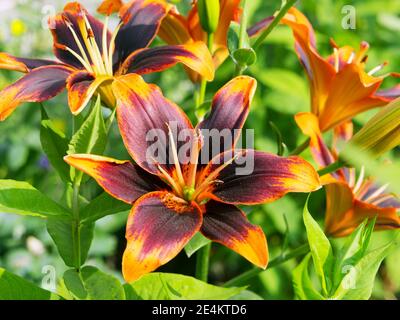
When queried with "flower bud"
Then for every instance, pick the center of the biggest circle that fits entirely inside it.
(382, 132)
(209, 14)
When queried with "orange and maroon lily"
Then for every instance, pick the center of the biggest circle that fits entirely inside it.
(340, 87)
(173, 200)
(177, 29)
(350, 200)
(90, 56)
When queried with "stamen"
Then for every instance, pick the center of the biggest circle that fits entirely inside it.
(194, 159)
(381, 199)
(84, 63)
(105, 47)
(360, 180)
(79, 44)
(351, 58)
(336, 55)
(170, 180)
(213, 175)
(377, 68)
(352, 177)
(112, 48)
(175, 157)
(377, 193)
(95, 47)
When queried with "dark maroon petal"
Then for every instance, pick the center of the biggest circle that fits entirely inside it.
(144, 115)
(122, 179)
(10, 62)
(39, 85)
(228, 225)
(158, 228)
(259, 177)
(194, 56)
(229, 111)
(73, 13)
(141, 21)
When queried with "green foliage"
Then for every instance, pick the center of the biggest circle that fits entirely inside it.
(196, 243)
(92, 284)
(72, 238)
(165, 286)
(21, 198)
(347, 275)
(13, 287)
(55, 146)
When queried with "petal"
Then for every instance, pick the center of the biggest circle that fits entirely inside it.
(308, 123)
(81, 87)
(157, 230)
(39, 85)
(350, 95)
(229, 111)
(142, 110)
(391, 93)
(141, 21)
(344, 213)
(194, 56)
(319, 71)
(122, 179)
(25, 65)
(108, 7)
(73, 14)
(260, 26)
(228, 225)
(174, 29)
(258, 177)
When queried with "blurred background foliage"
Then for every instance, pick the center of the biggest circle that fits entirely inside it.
(25, 246)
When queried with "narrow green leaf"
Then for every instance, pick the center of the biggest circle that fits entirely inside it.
(13, 287)
(320, 247)
(303, 287)
(92, 284)
(21, 198)
(102, 206)
(67, 237)
(55, 146)
(246, 295)
(168, 286)
(196, 243)
(358, 283)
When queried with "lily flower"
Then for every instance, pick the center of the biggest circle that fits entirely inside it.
(90, 56)
(340, 86)
(350, 199)
(178, 29)
(175, 199)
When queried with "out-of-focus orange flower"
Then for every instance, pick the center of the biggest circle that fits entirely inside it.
(350, 199)
(340, 86)
(177, 29)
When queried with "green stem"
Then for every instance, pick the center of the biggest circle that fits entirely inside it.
(299, 149)
(76, 232)
(202, 262)
(203, 85)
(242, 36)
(274, 23)
(331, 168)
(244, 277)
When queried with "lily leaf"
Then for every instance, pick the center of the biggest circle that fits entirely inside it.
(13, 287)
(55, 146)
(320, 247)
(303, 286)
(92, 284)
(196, 243)
(168, 286)
(67, 237)
(21, 198)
